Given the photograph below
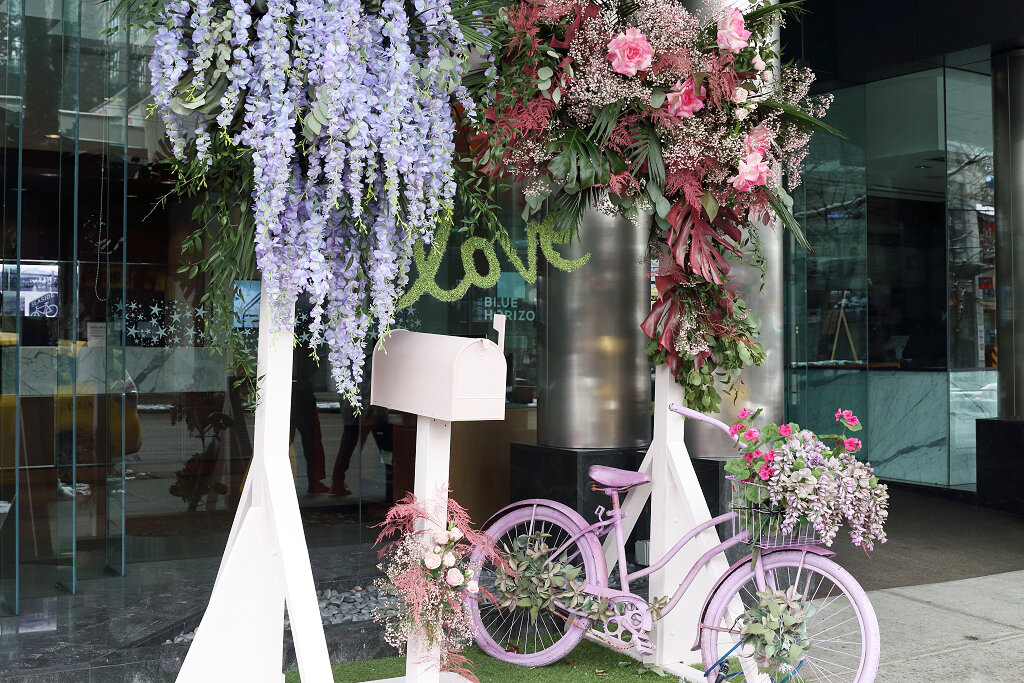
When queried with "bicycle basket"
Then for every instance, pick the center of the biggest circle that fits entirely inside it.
(764, 521)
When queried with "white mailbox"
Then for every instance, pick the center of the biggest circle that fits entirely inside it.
(446, 378)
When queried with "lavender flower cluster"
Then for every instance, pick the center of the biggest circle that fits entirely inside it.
(823, 487)
(349, 120)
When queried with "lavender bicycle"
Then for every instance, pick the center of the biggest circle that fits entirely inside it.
(556, 589)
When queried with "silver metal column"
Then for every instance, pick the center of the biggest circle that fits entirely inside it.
(1008, 129)
(594, 380)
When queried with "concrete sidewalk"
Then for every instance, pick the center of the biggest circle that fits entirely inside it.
(954, 632)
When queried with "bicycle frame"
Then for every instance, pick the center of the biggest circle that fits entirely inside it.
(612, 522)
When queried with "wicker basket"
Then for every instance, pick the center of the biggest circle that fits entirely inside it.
(765, 522)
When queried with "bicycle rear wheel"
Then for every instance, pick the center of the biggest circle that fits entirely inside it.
(842, 627)
(512, 634)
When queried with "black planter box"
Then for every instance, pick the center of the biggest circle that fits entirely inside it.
(1000, 445)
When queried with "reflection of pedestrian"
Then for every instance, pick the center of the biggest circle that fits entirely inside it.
(349, 440)
(303, 419)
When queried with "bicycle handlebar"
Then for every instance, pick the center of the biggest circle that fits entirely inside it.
(688, 412)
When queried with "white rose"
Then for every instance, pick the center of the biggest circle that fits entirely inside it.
(740, 96)
(472, 587)
(456, 533)
(742, 114)
(431, 560)
(767, 76)
(759, 64)
(449, 559)
(453, 578)
(440, 537)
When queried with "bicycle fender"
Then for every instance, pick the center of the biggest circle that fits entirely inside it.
(577, 518)
(815, 549)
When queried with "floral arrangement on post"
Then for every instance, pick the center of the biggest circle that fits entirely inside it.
(796, 473)
(428, 570)
(321, 134)
(639, 106)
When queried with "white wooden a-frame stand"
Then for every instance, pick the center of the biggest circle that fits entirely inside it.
(677, 505)
(439, 379)
(266, 562)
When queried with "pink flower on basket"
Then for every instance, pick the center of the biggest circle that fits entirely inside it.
(751, 171)
(751, 434)
(852, 445)
(766, 472)
(630, 52)
(744, 414)
(736, 429)
(740, 95)
(785, 430)
(431, 560)
(732, 36)
(758, 140)
(454, 577)
(683, 100)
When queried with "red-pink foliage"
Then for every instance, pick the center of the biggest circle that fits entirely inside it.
(721, 82)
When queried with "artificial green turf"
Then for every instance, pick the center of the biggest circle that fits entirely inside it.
(588, 662)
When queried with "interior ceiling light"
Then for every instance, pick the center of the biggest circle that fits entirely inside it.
(49, 174)
(52, 136)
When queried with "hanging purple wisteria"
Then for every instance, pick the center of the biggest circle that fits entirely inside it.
(346, 111)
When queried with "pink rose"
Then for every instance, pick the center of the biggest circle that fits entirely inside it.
(739, 96)
(453, 578)
(472, 587)
(758, 140)
(765, 473)
(431, 560)
(853, 421)
(758, 63)
(736, 429)
(683, 100)
(731, 34)
(630, 52)
(852, 445)
(449, 560)
(440, 537)
(751, 171)
(744, 414)
(751, 434)
(785, 430)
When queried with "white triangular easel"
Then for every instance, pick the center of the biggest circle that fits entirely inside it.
(266, 562)
(677, 505)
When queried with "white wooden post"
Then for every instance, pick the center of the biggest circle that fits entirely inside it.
(677, 505)
(439, 379)
(266, 563)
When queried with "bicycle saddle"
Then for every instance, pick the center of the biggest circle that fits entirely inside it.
(613, 478)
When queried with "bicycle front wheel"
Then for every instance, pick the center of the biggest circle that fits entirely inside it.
(841, 624)
(511, 633)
